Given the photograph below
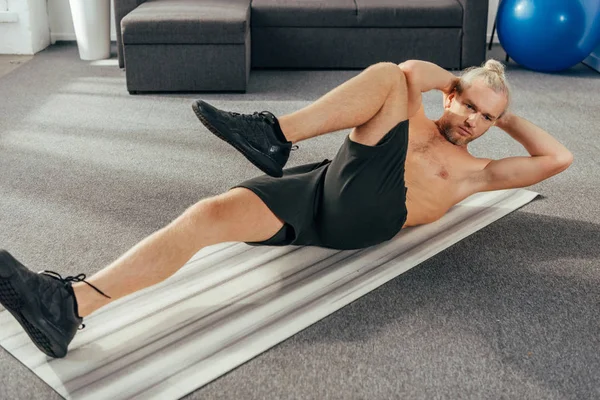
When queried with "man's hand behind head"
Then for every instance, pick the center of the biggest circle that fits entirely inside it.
(450, 88)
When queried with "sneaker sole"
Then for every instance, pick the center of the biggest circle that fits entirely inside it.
(11, 300)
(242, 146)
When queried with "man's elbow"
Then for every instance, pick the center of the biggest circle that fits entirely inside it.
(564, 160)
(561, 162)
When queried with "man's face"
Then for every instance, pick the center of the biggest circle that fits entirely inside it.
(475, 111)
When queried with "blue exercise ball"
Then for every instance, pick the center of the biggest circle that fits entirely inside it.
(548, 35)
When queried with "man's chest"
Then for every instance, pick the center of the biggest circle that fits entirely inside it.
(437, 172)
(429, 160)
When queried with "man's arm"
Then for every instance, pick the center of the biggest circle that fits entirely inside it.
(536, 141)
(426, 76)
(423, 76)
(548, 158)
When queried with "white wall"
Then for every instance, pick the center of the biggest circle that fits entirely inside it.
(30, 32)
(493, 7)
(40, 30)
(61, 23)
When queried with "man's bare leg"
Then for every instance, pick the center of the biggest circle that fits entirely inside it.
(237, 215)
(349, 105)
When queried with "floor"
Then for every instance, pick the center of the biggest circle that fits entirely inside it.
(509, 312)
(10, 62)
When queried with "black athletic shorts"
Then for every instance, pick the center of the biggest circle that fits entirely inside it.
(354, 201)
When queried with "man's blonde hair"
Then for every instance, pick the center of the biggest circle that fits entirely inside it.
(492, 74)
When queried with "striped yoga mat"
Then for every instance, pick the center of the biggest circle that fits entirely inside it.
(230, 303)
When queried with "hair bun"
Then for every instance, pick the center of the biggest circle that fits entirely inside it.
(495, 66)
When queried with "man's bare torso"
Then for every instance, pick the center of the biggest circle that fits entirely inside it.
(437, 172)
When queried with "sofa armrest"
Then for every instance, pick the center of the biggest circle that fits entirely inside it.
(475, 16)
(122, 8)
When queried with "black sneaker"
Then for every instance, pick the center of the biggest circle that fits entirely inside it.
(43, 303)
(257, 136)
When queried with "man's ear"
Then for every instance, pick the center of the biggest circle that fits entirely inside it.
(448, 98)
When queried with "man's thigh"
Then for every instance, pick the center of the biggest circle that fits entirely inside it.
(393, 111)
(244, 217)
(364, 192)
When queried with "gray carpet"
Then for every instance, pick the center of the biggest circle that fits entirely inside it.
(87, 171)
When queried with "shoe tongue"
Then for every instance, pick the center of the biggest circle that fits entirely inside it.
(268, 116)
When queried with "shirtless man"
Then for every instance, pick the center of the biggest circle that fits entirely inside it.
(383, 105)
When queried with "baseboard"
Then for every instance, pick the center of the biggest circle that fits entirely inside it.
(8, 17)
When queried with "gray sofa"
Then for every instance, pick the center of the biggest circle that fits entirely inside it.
(211, 45)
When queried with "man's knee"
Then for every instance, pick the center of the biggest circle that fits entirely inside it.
(392, 72)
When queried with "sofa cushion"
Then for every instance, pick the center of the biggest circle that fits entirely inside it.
(187, 21)
(303, 13)
(409, 13)
(357, 13)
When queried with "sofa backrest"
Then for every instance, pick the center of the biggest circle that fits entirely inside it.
(474, 28)
(475, 17)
